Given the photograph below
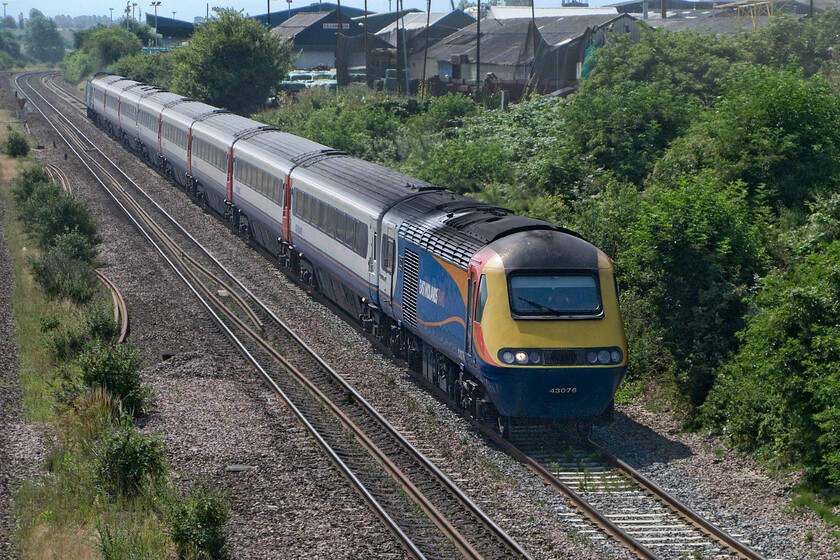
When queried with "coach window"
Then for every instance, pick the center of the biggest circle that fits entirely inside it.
(388, 254)
(481, 300)
(361, 239)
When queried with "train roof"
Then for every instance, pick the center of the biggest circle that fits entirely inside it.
(103, 78)
(225, 125)
(161, 99)
(278, 143)
(455, 227)
(378, 188)
(142, 90)
(191, 109)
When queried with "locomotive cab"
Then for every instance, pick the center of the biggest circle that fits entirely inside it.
(548, 340)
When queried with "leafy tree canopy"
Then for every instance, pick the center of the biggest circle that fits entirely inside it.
(693, 253)
(779, 395)
(8, 22)
(96, 48)
(154, 69)
(231, 62)
(808, 43)
(771, 129)
(42, 39)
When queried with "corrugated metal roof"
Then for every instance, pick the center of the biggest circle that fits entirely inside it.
(524, 12)
(299, 22)
(506, 41)
(413, 21)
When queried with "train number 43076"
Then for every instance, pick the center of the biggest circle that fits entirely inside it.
(563, 390)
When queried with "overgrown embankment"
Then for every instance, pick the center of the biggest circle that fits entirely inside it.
(105, 489)
(708, 167)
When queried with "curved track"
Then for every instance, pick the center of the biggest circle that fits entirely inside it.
(612, 498)
(307, 384)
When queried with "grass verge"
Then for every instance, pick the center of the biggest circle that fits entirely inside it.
(104, 492)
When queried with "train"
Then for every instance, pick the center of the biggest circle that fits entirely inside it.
(515, 319)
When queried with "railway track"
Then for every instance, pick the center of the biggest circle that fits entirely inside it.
(120, 309)
(614, 499)
(611, 497)
(393, 477)
(59, 177)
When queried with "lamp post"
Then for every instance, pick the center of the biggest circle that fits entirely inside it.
(173, 15)
(4, 9)
(127, 13)
(112, 13)
(155, 5)
(133, 10)
(289, 12)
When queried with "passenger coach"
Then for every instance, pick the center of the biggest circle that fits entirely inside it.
(511, 317)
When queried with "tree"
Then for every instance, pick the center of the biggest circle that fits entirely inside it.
(778, 396)
(692, 255)
(9, 50)
(640, 97)
(154, 69)
(772, 129)
(96, 49)
(43, 41)
(231, 62)
(8, 22)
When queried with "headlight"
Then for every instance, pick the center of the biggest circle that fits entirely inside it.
(592, 357)
(616, 356)
(604, 357)
(521, 356)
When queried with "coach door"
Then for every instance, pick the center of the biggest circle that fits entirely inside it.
(387, 266)
(470, 315)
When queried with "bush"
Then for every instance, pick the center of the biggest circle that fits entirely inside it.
(127, 461)
(60, 277)
(778, 395)
(27, 179)
(466, 166)
(693, 254)
(41, 195)
(63, 214)
(197, 525)
(17, 145)
(98, 325)
(116, 543)
(118, 369)
(74, 246)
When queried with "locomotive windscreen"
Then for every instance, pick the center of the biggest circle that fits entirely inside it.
(548, 294)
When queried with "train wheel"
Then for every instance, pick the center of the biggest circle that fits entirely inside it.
(504, 426)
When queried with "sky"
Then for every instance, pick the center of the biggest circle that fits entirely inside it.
(187, 10)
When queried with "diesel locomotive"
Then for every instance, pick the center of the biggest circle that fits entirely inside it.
(512, 317)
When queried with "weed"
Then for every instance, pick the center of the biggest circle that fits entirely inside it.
(118, 369)
(17, 146)
(196, 525)
(127, 460)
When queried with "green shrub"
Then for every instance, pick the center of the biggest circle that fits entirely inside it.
(16, 145)
(60, 277)
(97, 325)
(118, 369)
(73, 245)
(196, 525)
(692, 255)
(41, 196)
(26, 180)
(127, 461)
(117, 543)
(60, 215)
(777, 396)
